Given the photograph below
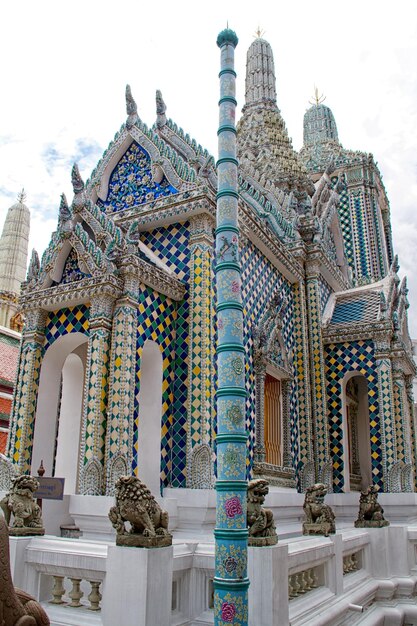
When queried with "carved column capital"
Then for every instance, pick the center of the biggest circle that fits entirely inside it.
(202, 229)
(101, 311)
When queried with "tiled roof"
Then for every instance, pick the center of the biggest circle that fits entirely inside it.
(3, 441)
(9, 356)
(360, 307)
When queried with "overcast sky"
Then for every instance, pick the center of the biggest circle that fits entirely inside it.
(65, 67)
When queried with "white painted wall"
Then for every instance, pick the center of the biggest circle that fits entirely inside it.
(66, 462)
(150, 412)
(48, 399)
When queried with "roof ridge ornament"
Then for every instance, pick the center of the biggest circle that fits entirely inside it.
(21, 197)
(64, 211)
(131, 108)
(161, 118)
(316, 98)
(259, 33)
(77, 181)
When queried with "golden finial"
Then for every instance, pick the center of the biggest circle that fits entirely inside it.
(21, 196)
(259, 33)
(316, 98)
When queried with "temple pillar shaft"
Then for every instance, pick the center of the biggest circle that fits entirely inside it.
(305, 425)
(260, 451)
(286, 427)
(94, 419)
(201, 337)
(119, 435)
(402, 431)
(386, 407)
(318, 387)
(22, 418)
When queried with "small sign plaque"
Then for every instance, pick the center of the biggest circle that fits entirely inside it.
(50, 488)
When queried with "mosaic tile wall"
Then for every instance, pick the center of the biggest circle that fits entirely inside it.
(325, 293)
(359, 229)
(260, 281)
(68, 320)
(131, 182)
(171, 245)
(157, 321)
(345, 221)
(339, 360)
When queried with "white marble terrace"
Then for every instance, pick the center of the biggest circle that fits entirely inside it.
(357, 576)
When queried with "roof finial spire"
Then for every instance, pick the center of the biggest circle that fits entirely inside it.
(131, 108)
(77, 181)
(316, 98)
(161, 118)
(259, 33)
(21, 196)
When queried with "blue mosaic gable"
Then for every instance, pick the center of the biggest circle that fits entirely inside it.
(131, 182)
(71, 272)
(348, 312)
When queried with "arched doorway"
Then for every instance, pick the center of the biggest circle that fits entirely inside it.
(59, 408)
(150, 415)
(356, 433)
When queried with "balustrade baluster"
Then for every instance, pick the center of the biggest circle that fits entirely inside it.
(58, 590)
(75, 594)
(94, 596)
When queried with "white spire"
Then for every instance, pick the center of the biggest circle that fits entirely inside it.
(14, 243)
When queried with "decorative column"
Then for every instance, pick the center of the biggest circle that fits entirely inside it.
(231, 534)
(22, 418)
(94, 419)
(259, 453)
(322, 457)
(286, 426)
(386, 407)
(119, 436)
(413, 442)
(306, 475)
(200, 363)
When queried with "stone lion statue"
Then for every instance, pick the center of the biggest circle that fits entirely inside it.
(17, 608)
(20, 503)
(262, 531)
(371, 513)
(319, 517)
(135, 504)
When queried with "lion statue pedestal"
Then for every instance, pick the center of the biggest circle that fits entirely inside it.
(319, 518)
(261, 526)
(148, 522)
(20, 503)
(371, 513)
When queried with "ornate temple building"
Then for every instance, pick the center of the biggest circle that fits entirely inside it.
(117, 371)
(13, 262)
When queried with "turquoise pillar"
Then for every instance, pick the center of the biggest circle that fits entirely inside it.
(231, 534)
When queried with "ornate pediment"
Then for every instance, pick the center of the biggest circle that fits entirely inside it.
(268, 343)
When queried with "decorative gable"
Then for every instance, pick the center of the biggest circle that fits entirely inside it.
(134, 182)
(72, 271)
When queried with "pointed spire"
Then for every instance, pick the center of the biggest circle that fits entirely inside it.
(131, 108)
(77, 181)
(260, 73)
(161, 118)
(13, 257)
(34, 267)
